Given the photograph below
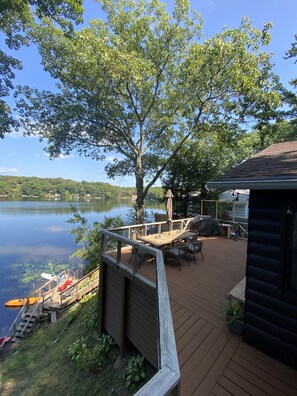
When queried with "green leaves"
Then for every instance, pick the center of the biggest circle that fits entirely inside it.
(140, 83)
(134, 372)
(16, 20)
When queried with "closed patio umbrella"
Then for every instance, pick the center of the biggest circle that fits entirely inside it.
(169, 208)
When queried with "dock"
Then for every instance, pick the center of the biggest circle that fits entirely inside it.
(53, 298)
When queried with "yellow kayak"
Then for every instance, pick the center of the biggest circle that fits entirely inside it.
(19, 302)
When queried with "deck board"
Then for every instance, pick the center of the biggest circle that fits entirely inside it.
(212, 360)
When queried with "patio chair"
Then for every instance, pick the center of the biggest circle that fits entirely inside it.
(192, 238)
(139, 256)
(177, 252)
(194, 248)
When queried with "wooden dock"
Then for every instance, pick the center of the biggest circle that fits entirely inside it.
(52, 300)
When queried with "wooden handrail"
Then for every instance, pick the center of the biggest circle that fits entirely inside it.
(39, 292)
(28, 320)
(78, 282)
(168, 376)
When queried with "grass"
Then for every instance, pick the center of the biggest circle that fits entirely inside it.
(40, 365)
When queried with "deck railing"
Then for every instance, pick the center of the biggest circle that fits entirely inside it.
(51, 284)
(167, 378)
(81, 286)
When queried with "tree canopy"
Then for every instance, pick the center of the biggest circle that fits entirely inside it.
(140, 83)
(15, 18)
(203, 159)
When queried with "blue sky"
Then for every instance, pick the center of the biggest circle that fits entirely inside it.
(25, 156)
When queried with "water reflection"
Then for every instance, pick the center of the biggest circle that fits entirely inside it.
(26, 206)
(34, 233)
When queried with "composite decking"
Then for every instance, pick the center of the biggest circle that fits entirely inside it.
(212, 360)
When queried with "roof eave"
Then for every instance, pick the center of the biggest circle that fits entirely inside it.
(254, 184)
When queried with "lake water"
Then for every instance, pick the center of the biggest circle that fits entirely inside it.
(35, 233)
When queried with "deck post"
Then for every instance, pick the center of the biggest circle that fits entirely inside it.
(119, 251)
(123, 318)
(100, 293)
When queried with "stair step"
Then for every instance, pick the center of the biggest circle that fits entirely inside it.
(29, 316)
(28, 326)
(29, 320)
(18, 334)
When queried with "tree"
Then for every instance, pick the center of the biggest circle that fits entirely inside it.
(15, 18)
(292, 53)
(140, 84)
(202, 160)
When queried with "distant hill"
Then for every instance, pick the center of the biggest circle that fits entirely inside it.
(59, 188)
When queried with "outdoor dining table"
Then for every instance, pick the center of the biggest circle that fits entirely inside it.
(166, 238)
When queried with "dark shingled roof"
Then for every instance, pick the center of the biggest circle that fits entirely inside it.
(273, 168)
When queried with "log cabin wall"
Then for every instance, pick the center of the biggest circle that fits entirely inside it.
(128, 311)
(270, 319)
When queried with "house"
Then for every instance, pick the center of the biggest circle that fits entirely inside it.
(271, 269)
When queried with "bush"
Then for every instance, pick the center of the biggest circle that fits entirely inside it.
(78, 351)
(101, 349)
(134, 372)
(234, 311)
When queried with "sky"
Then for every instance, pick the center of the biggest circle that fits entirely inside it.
(21, 156)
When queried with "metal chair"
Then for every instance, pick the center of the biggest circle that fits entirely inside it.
(139, 256)
(192, 238)
(176, 253)
(194, 248)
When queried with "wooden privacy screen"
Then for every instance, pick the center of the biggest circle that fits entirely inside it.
(128, 311)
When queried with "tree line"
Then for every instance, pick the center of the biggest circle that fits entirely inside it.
(19, 187)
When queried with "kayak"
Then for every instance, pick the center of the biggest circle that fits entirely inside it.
(4, 340)
(67, 283)
(19, 302)
(44, 275)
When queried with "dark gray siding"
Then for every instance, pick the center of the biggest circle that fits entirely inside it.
(129, 311)
(270, 320)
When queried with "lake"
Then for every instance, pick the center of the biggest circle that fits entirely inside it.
(36, 233)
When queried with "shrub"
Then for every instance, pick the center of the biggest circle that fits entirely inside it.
(78, 351)
(101, 349)
(234, 311)
(134, 372)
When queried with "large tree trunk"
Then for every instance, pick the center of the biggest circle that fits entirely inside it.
(139, 192)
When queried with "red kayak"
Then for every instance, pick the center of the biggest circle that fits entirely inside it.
(67, 283)
(4, 340)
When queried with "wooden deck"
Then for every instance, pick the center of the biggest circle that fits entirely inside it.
(212, 360)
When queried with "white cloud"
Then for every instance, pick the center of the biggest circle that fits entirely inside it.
(109, 159)
(4, 170)
(20, 134)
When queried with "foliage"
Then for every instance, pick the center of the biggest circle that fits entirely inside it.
(134, 372)
(292, 53)
(86, 310)
(78, 351)
(15, 19)
(92, 358)
(18, 186)
(89, 238)
(201, 160)
(234, 311)
(39, 364)
(139, 83)
(101, 350)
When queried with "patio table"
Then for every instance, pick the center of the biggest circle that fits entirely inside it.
(166, 238)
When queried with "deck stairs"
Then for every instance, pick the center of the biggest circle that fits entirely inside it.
(30, 318)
